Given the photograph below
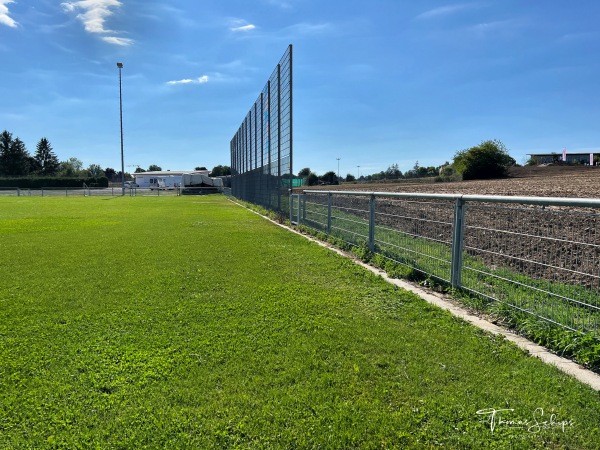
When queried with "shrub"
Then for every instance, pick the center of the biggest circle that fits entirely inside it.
(490, 159)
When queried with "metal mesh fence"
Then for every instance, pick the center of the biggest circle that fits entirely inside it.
(87, 192)
(261, 149)
(537, 255)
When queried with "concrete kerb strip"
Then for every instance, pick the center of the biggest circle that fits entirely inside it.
(567, 366)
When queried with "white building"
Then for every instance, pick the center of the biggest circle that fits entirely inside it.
(166, 179)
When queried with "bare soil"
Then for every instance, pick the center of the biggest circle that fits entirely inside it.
(549, 243)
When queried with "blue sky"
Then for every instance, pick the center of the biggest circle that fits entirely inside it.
(375, 82)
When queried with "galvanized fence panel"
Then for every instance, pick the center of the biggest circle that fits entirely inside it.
(416, 233)
(538, 255)
(90, 192)
(261, 149)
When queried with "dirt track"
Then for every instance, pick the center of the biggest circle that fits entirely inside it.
(536, 181)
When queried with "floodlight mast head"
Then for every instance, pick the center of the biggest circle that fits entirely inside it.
(120, 65)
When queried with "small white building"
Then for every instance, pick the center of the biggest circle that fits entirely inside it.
(164, 179)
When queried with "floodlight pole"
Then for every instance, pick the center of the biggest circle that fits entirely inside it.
(338, 160)
(358, 172)
(120, 66)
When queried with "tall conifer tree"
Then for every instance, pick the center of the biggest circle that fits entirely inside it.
(46, 159)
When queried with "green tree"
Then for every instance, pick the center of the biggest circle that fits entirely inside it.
(110, 173)
(304, 173)
(422, 172)
(350, 178)
(220, 171)
(34, 165)
(200, 168)
(46, 161)
(393, 172)
(154, 168)
(5, 143)
(71, 167)
(329, 178)
(139, 170)
(14, 158)
(447, 171)
(490, 159)
(312, 179)
(94, 170)
(378, 176)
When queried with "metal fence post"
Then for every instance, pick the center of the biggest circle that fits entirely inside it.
(18, 192)
(458, 234)
(42, 192)
(299, 210)
(304, 206)
(291, 206)
(372, 223)
(329, 213)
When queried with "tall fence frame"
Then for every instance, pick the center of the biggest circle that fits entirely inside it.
(537, 255)
(261, 149)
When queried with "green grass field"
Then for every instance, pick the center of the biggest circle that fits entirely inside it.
(184, 322)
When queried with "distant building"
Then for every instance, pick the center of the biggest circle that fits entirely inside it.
(168, 179)
(571, 158)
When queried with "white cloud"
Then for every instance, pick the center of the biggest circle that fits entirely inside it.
(5, 19)
(117, 40)
(240, 25)
(443, 11)
(248, 27)
(200, 80)
(497, 28)
(284, 4)
(94, 15)
(304, 28)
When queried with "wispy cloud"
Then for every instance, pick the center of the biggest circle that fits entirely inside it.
(94, 15)
(497, 28)
(239, 25)
(244, 28)
(5, 19)
(443, 11)
(200, 80)
(117, 40)
(579, 36)
(284, 4)
(305, 28)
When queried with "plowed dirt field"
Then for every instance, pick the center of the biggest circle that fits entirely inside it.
(536, 181)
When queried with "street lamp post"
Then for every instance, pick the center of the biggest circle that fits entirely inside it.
(120, 66)
(338, 160)
(358, 172)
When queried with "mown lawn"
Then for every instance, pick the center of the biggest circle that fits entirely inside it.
(184, 322)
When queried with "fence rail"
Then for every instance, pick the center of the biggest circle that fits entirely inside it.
(87, 191)
(535, 254)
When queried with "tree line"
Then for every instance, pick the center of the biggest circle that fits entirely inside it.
(391, 173)
(489, 159)
(16, 161)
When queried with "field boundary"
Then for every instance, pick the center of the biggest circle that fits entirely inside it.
(565, 365)
(531, 255)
